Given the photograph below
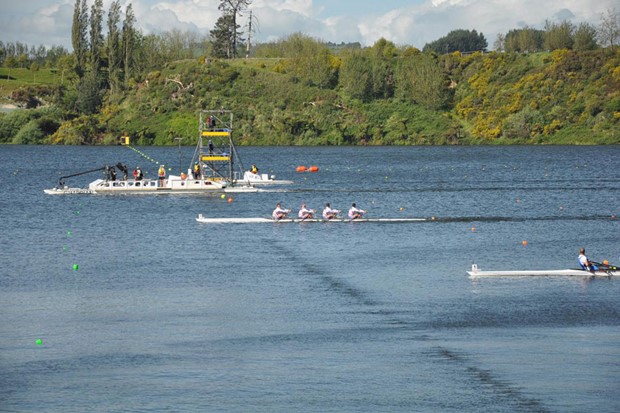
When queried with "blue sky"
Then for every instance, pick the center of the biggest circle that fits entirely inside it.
(404, 22)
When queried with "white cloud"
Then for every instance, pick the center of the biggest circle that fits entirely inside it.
(49, 21)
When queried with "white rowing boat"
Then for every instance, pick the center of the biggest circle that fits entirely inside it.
(477, 273)
(201, 218)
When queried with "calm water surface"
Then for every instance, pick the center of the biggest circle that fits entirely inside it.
(165, 314)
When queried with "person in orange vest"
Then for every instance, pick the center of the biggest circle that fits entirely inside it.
(162, 175)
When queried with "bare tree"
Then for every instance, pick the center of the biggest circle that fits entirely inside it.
(609, 29)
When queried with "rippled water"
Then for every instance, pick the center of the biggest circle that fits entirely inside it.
(166, 314)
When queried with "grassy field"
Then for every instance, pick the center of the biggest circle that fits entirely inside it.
(12, 79)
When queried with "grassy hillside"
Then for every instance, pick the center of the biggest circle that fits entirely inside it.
(547, 98)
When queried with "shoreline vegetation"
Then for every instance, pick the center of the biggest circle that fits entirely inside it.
(555, 86)
(563, 97)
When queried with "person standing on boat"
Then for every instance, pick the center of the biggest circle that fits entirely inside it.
(161, 173)
(196, 170)
(305, 213)
(280, 213)
(254, 169)
(355, 212)
(123, 168)
(585, 263)
(329, 213)
(138, 174)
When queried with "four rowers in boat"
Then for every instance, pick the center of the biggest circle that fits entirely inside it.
(306, 213)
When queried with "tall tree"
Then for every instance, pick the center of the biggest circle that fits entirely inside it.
(526, 40)
(558, 35)
(96, 38)
(79, 39)
(421, 80)
(458, 40)
(129, 41)
(585, 37)
(609, 29)
(114, 45)
(222, 35)
(355, 76)
(234, 8)
(382, 55)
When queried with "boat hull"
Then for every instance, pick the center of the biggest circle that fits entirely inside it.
(259, 220)
(544, 273)
(173, 185)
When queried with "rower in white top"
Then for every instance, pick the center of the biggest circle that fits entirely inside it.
(305, 213)
(280, 213)
(329, 213)
(355, 212)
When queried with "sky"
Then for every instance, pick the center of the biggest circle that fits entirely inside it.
(404, 22)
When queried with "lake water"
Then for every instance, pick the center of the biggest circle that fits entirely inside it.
(166, 314)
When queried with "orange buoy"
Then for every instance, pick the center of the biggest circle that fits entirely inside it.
(313, 169)
(524, 243)
(301, 168)
(183, 176)
(230, 200)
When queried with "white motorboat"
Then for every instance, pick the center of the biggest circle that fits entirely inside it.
(215, 167)
(250, 178)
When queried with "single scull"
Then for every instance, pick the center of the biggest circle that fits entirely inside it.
(609, 272)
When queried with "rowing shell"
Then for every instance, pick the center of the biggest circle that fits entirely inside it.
(205, 220)
(476, 273)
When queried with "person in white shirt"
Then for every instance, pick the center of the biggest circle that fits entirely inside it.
(585, 263)
(329, 213)
(355, 212)
(279, 212)
(305, 213)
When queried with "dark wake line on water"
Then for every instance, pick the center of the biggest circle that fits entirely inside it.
(442, 189)
(502, 389)
(526, 219)
(335, 284)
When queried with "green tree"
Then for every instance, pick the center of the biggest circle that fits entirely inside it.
(79, 32)
(421, 80)
(355, 76)
(114, 46)
(585, 37)
(232, 9)
(34, 68)
(222, 35)
(458, 41)
(129, 42)
(558, 35)
(382, 55)
(309, 61)
(96, 38)
(89, 98)
(526, 40)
